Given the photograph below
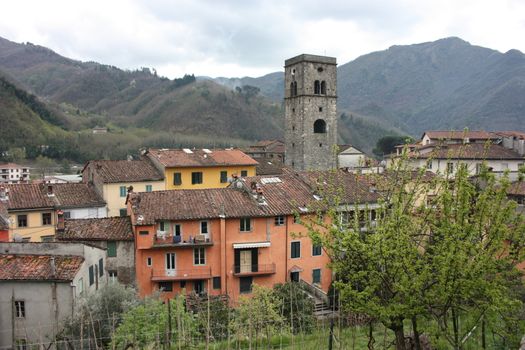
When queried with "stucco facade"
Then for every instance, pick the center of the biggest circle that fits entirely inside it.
(115, 194)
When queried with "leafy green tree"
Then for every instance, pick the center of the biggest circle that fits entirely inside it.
(387, 144)
(44, 165)
(297, 308)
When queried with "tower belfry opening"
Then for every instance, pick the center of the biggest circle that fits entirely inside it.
(310, 112)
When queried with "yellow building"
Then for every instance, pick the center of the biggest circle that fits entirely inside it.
(112, 178)
(201, 168)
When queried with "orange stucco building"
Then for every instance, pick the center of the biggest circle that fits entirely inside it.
(222, 241)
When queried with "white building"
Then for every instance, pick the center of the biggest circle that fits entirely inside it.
(11, 173)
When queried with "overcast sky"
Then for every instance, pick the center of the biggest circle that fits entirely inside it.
(251, 38)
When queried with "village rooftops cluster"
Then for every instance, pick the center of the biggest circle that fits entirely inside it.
(47, 196)
(200, 157)
(479, 151)
(39, 267)
(259, 196)
(97, 229)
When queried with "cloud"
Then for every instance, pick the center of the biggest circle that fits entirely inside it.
(238, 37)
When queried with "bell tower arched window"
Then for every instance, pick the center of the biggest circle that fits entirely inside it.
(317, 87)
(319, 126)
(293, 89)
(323, 88)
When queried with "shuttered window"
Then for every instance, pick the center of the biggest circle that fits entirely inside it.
(112, 249)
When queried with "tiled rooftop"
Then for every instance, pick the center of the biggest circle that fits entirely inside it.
(100, 229)
(200, 157)
(468, 151)
(460, 135)
(281, 195)
(114, 171)
(517, 188)
(39, 267)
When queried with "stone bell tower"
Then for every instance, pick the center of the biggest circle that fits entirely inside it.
(310, 100)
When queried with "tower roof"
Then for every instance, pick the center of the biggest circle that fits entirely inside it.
(310, 58)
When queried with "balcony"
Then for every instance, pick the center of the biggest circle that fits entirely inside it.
(253, 270)
(161, 240)
(196, 273)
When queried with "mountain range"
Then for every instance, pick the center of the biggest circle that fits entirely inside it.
(443, 84)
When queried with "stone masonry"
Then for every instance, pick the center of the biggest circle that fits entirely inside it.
(310, 112)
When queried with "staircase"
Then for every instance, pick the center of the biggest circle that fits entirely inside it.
(320, 299)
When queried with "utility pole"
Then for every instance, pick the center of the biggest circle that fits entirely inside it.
(169, 324)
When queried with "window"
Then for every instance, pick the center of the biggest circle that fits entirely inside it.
(46, 218)
(319, 126)
(478, 168)
(293, 89)
(204, 227)
(149, 261)
(149, 188)
(113, 276)
(80, 286)
(245, 224)
(196, 178)
(320, 109)
(20, 308)
(100, 267)
(166, 286)
(176, 229)
(216, 283)
(21, 344)
(245, 284)
(279, 220)
(317, 87)
(295, 250)
(143, 233)
(67, 215)
(182, 284)
(224, 176)
(316, 276)
(112, 249)
(450, 168)
(323, 88)
(316, 250)
(47, 238)
(199, 256)
(123, 212)
(429, 165)
(198, 287)
(123, 191)
(22, 220)
(177, 179)
(244, 173)
(91, 275)
(296, 219)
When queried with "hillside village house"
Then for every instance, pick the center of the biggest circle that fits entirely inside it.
(267, 150)
(11, 173)
(33, 209)
(222, 241)
(112, 178)
(40, 284)
(114, 234)
(442, 154)
(201, 168)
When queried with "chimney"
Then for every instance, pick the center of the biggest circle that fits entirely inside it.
(53, 266)
(50, 190)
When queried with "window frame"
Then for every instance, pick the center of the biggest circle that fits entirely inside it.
(199, 256)
(111, 247)
(123, 191)
(207, 227)
(244, 173)
(223, 177)
(242, 284)
(166, 284)
(279, 220)
(317, 248)
(149, 261)
(47, 219)
(314, 276)
(245, 224)
(197, 178)
(177, 179)
(100, 267)
(25, 219)
(149, 188)
(123, 212)
(216, 282)
(20, 308)
(91, 273)
(292, 251)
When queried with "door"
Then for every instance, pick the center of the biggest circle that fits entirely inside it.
(294, 276)
(170, 264)
(246, 261)
(198, 287)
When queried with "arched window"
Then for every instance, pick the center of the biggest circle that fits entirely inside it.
(323, 88)
(291, 89)
(317, 87)
(319, 126)
(295, 88)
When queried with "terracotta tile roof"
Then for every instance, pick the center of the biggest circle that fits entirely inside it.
(281, 195)
(460, 135)
(75, 195)
(101, 229)
(200, 157)
(267, 146)
(66, 195)
(39, 267)
(467, 151)
(269, 168)
(27, 196)
(512, 133)
(114, 171)
(517, 188)
(12, 166)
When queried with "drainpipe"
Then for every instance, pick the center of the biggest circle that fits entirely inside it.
(224, 266)
(286, 252)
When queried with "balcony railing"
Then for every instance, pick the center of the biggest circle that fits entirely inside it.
(196, 273)
(253, 269)
(173, 241)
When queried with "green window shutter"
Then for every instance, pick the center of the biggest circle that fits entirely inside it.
(149, 188)
(112, 249)
(316, 276)
(123, 191)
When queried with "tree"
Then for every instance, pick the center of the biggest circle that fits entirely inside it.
(297, 308)
(436, 250)
(387, 144)
(44, 165)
